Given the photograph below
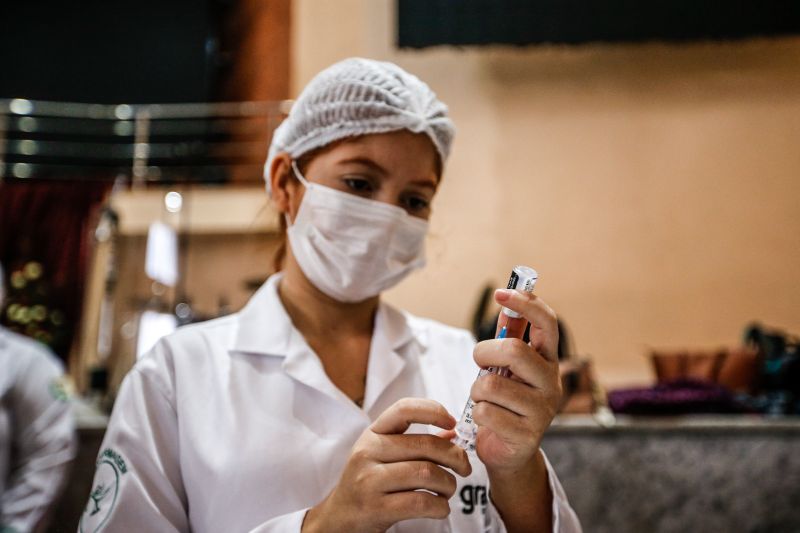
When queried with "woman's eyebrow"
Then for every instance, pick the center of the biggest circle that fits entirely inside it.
(425, 183)
(381, 170)
(366, 162)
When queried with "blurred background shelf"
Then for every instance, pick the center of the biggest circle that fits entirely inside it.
(208, 211)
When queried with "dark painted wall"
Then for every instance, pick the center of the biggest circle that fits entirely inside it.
(109, 51)
(423, 23)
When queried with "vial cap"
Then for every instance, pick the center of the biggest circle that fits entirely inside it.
(523, 278)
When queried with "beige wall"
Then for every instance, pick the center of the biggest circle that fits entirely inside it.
(656, 188)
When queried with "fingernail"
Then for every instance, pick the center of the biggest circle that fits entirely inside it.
(503, 295)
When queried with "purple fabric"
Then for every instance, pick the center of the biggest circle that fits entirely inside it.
(673, 398)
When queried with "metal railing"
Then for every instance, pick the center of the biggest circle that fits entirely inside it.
(138, 144)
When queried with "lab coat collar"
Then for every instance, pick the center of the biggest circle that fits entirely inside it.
(264, 326)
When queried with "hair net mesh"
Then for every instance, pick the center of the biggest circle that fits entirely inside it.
(356, 97)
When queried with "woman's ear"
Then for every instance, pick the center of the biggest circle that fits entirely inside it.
(282, 182)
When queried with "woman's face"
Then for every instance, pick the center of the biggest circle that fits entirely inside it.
(398, 168)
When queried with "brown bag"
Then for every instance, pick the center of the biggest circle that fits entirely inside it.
(733, 368)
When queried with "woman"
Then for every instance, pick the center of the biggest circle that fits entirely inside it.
(307, 410)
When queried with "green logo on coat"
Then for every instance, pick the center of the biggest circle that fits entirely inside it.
(110, 467)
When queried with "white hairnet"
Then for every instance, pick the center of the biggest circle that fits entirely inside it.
(359, 96)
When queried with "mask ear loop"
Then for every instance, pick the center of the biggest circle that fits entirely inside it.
(299, 174)
(302, 180)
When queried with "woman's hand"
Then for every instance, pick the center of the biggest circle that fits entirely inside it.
(382, 479)
(513, 414)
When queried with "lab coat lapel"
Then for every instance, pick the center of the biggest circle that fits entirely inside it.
(266, 329)
(303, 365)
(390, 334)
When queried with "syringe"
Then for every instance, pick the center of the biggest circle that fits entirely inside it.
(523, 279)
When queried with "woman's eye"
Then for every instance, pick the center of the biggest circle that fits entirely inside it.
(416, 203)
(356, 184)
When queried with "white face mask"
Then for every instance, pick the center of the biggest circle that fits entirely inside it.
(352, 248)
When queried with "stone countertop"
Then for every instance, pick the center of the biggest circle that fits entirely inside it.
(678, 474)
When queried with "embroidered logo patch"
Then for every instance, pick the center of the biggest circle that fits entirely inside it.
(110, 467)
(61, 389)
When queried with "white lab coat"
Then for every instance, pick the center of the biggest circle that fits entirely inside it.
(37, 432)
(232, 425)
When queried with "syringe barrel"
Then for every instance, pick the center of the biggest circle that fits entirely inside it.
(523, 279)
